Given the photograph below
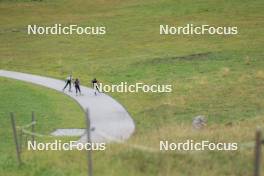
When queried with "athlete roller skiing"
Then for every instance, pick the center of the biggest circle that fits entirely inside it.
(77, 86)
(95, 85)
(68, 83)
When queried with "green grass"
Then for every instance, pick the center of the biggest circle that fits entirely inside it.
(221, 77)
(53, 110)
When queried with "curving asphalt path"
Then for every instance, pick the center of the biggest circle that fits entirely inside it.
(110, 120)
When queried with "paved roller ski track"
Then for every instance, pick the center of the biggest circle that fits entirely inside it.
(110, 120)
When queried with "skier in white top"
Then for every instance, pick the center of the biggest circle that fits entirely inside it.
(68, 83)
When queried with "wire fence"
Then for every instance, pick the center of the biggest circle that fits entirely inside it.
(28, 130)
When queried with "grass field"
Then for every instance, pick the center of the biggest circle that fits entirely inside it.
(221, 77)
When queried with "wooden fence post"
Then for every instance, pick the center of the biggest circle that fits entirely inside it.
(20, 140)
(15, 137)
(26, 140)
(89, 152)
(33, 126)
(257, 153)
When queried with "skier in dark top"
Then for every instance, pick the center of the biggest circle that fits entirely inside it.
(95, 86)
(77, 86)
(68, 83)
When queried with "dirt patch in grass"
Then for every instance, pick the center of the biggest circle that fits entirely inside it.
(168, 60)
